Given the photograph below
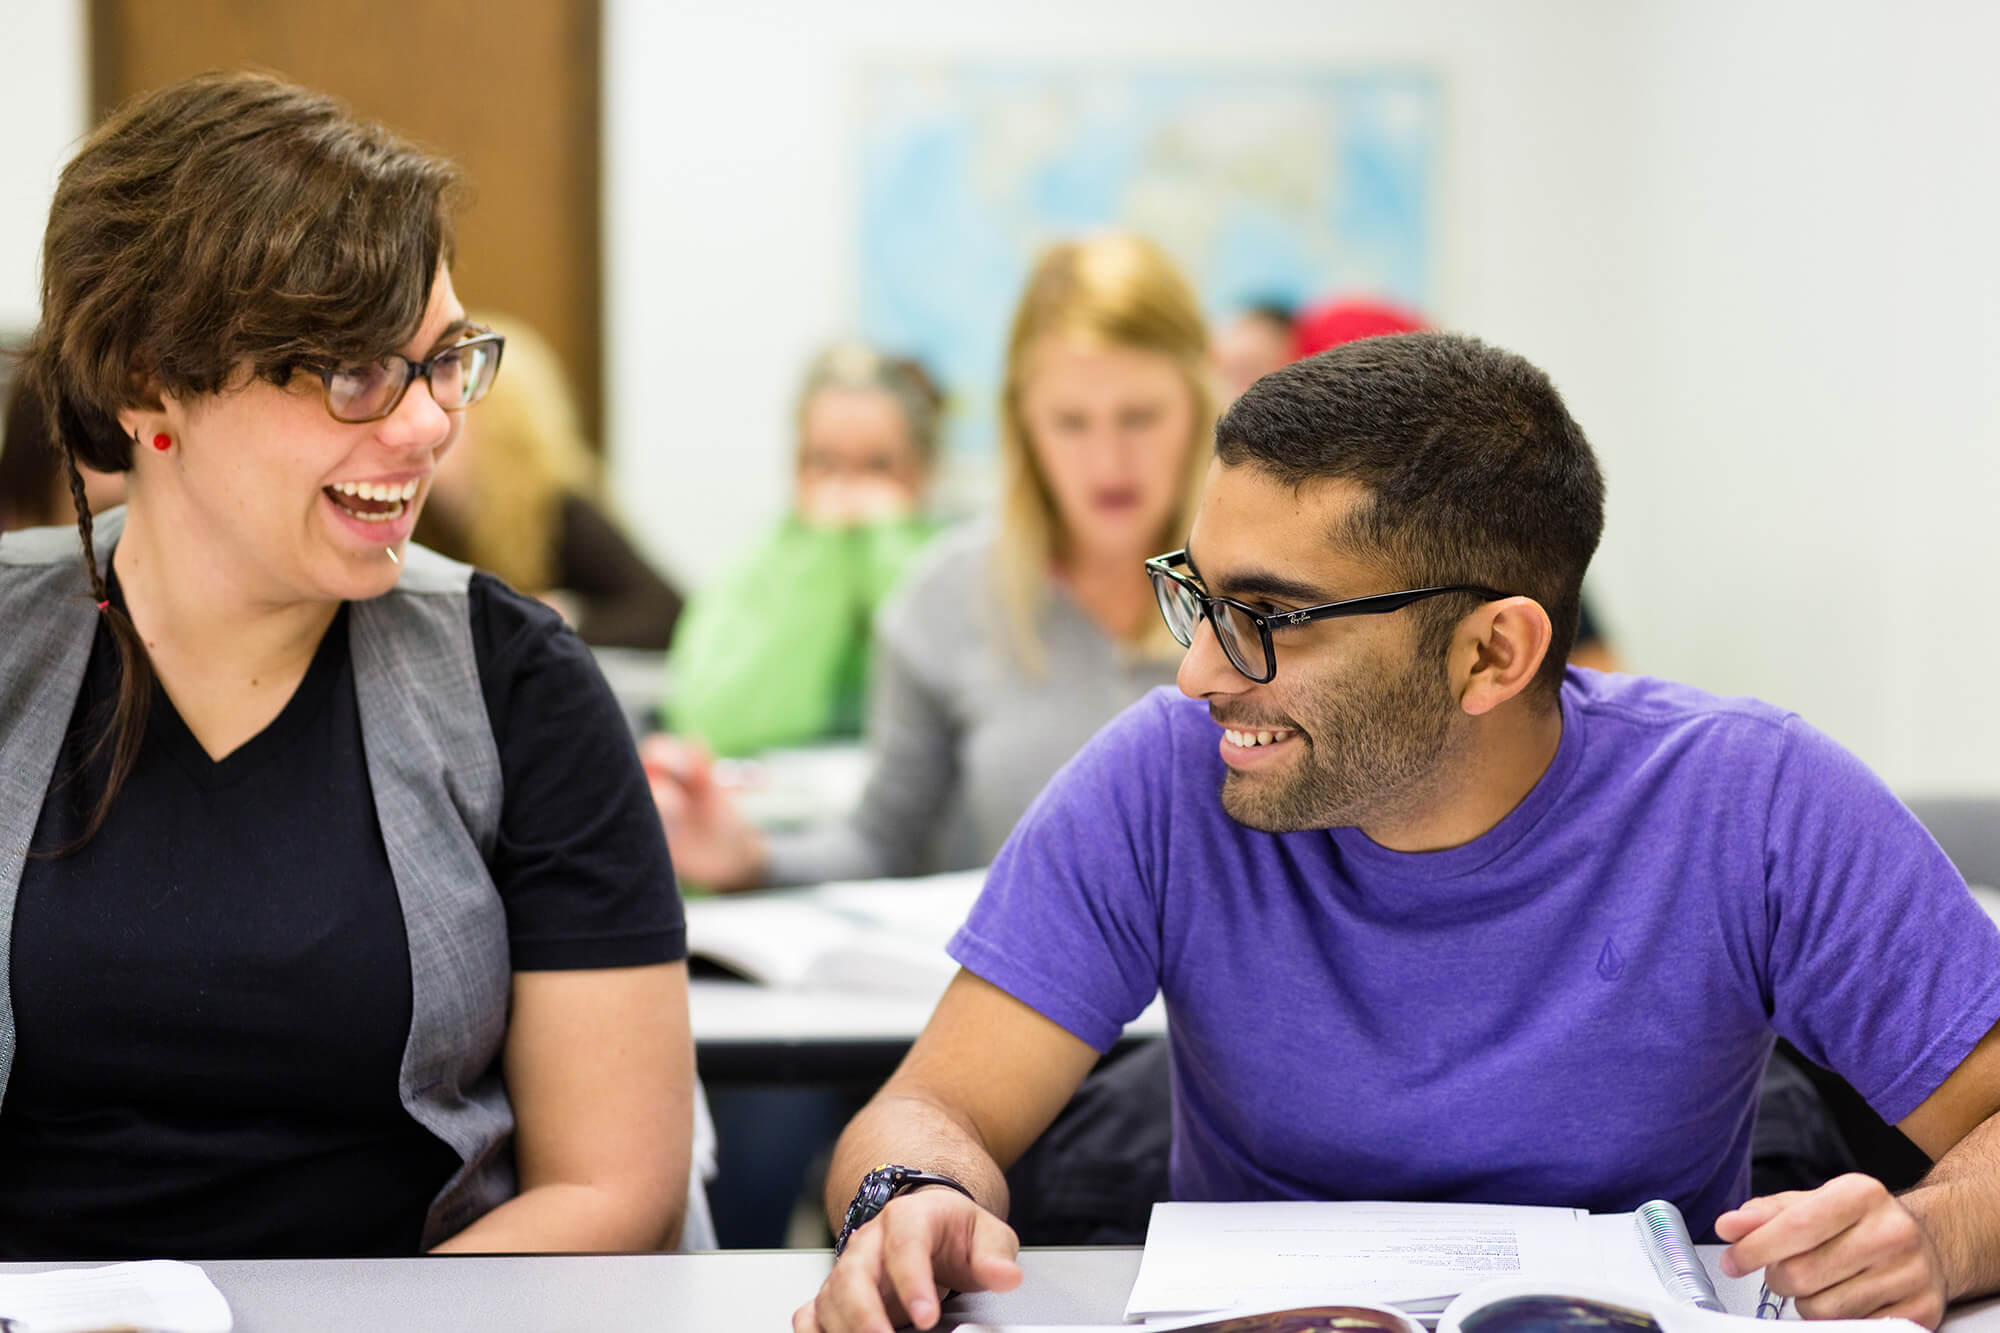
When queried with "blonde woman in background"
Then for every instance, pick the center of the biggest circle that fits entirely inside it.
(1011, 643)
(519, 498)
(776, 652)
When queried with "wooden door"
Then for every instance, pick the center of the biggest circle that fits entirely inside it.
(507, 88)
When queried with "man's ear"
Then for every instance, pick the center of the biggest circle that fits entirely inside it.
(1497, 652)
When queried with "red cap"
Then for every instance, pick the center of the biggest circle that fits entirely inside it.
(1343, 319)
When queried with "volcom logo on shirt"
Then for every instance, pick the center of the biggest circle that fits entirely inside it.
(1610, 963)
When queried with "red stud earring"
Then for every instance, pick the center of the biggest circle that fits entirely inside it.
(163, 442)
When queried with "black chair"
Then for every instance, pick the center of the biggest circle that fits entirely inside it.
(1968, 828)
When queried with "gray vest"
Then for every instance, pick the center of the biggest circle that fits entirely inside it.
(435, 774)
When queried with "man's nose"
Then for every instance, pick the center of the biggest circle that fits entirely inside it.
(1205, 669)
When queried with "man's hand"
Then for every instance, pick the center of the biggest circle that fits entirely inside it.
(1847, 1250)
(897, 1267)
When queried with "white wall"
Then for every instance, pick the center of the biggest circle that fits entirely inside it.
(729, 207)
(1753, 244)
(42, 110)
(1809, 471)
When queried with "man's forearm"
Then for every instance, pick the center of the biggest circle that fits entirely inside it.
(912, 1131)
(1958, 1206)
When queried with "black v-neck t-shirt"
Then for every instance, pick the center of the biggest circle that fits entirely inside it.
(212, 997)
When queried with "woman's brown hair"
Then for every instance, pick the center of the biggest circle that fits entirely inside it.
(228, 226)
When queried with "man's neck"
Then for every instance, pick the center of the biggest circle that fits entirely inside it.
(1480, 783)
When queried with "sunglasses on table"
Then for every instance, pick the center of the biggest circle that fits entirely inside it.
(1245, 632)
(459, 376)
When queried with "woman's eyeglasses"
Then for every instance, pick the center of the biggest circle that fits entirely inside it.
(459, 376)
(1245, 632)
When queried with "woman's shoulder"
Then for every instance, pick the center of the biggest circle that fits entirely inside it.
(945, 600)
(40, 546)
(954, 570)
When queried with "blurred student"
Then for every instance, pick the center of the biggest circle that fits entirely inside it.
(776, 652)
(519, 498)
(34, 485)
(1342, 319)
(1252, 343)
(1106, 414)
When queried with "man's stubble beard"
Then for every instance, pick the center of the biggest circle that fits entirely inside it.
(1370, 755)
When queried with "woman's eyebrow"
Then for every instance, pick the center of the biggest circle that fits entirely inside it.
(452, 333)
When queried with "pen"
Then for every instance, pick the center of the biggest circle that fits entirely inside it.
(1664, 1236)
(1769, 1306)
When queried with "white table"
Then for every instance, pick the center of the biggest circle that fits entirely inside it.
(745, 1033)
(740, 1290)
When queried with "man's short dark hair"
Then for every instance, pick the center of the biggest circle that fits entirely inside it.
(1475, 471)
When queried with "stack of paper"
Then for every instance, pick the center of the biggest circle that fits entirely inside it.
(1203, 1257)
(159, 1295)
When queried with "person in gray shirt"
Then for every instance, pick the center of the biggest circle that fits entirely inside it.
(1106, 412)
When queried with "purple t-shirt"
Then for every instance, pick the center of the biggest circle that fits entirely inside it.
(1574, 1008)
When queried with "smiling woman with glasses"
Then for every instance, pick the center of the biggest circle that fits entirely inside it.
(459, 376)
(266, 897)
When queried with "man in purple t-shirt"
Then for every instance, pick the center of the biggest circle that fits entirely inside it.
(1462, 925)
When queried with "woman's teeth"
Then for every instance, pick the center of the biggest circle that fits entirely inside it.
(365, 490)
(1248, 739)
(392, 497)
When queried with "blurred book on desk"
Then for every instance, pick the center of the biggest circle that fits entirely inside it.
(879, 935)
(797, 788)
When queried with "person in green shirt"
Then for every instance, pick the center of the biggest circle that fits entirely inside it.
(775, 653)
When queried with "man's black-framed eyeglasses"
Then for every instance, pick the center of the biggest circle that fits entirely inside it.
(1245, 632)
(459, 376)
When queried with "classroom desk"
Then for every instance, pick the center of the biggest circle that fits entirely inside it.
(744, 1033)
(696, 1293)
